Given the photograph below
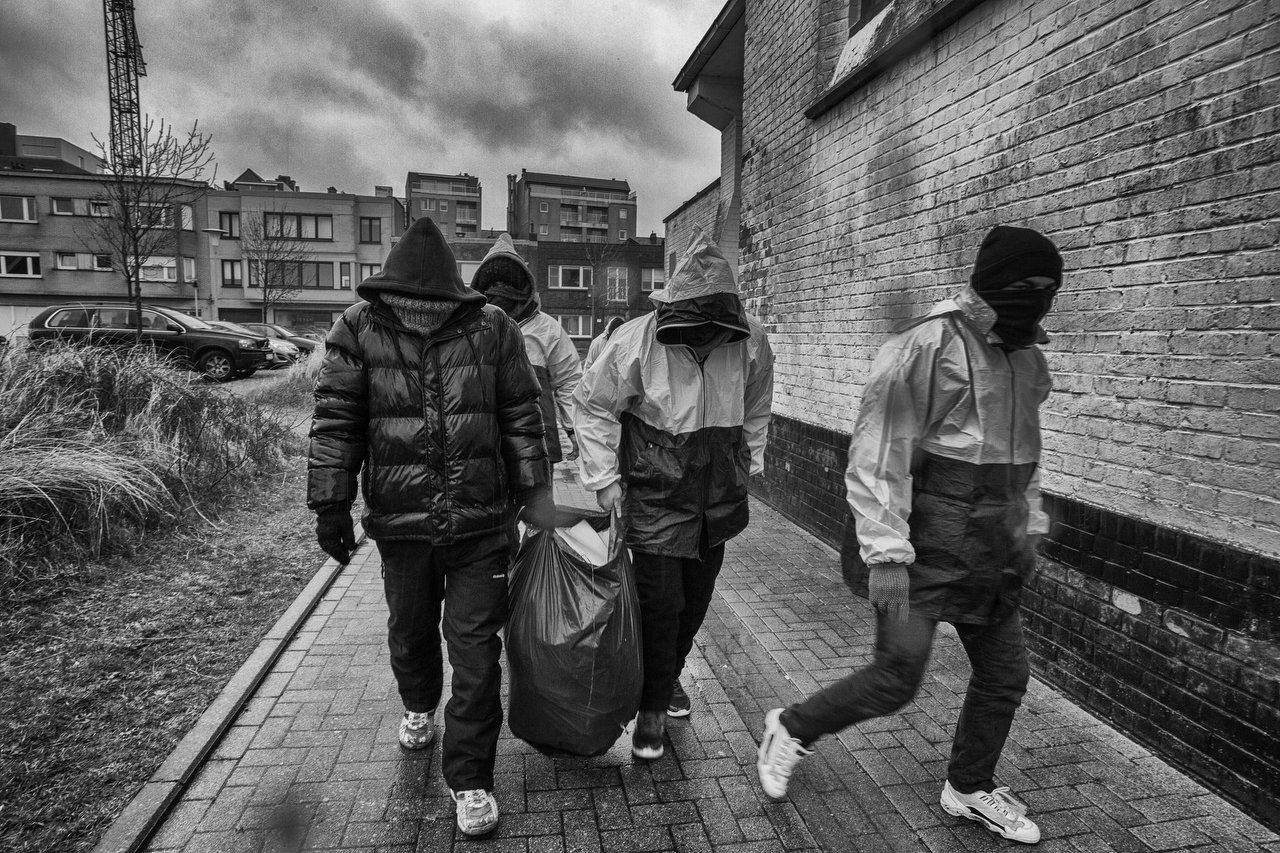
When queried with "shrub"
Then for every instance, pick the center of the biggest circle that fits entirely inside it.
(97, 445)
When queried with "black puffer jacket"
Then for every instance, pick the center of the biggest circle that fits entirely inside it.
(444, 430)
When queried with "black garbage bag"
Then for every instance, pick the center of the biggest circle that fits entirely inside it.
(573, 646)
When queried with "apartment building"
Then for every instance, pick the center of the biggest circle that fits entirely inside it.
(585, 285)
(336, 240)
(48, 249)
(570, 209)
(453, 201)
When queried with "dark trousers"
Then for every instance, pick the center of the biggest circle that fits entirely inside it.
(674, 594)
(998, 658)
(470, 581)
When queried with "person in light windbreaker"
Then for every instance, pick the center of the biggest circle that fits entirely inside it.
(597, 345)
(425, 398)
(672, 419)
(944, 487)
(506, 281)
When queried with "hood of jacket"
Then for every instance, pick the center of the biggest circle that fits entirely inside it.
(506, 280)
(702, 290)
(420, 265)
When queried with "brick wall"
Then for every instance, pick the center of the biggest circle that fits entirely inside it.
(699, 212)
(1142, 138)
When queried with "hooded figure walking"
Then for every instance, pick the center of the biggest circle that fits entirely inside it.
(426, 397)
(672, 418)
(597, 344)
(506, 281)
(944, 487)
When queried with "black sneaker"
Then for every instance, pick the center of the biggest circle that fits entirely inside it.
(679, 706)
(646, 740)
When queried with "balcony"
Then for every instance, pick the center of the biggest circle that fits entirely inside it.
(580, 222)
(466, 218)
(446, 189)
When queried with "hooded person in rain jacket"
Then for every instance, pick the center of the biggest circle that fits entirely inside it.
(597, 344)
(506, 281)
(426, 398)
(672, 419)
(944, 488)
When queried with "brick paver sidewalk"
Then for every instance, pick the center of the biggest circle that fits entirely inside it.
(312, 761)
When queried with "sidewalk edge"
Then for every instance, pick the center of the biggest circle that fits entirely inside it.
(142, 816)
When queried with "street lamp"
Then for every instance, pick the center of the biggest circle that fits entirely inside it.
(215, 236)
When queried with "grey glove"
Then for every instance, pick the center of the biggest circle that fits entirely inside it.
(889, 590)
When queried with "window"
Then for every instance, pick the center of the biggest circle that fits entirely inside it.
(288, 274)
(65, 260)
(232, 274)
(69, 318)
(115, 318)
(19, 264)
(188, 214)
(102, 263)
(542, 229)
(303, 226)
(17, 208)
(370, 229)
(652, 279)
(569, 278)
(100, 208)
(367, 270)
(543, 207)
(82, 261)
(64, 207)
(159, 269)
(622, 234)
(622, 214)
(344, 275)
(575, 325)
(444, 206)
(862, 11)
(229, 222)
(616, 284)
(428, 204)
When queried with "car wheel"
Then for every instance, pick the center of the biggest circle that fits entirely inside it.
(217, 366)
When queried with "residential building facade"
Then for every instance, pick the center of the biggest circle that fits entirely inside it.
(585, 285)
(338, 240)
(570, 209)
(700, 213)
(868, 167)
(51, 252)
(453, 201)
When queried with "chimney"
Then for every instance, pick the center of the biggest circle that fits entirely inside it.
(332, 190)
(653, 236)
(8, 139)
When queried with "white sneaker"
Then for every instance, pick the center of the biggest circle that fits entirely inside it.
(778, 755)
(477, 811)
(997, 810)
(417, 730)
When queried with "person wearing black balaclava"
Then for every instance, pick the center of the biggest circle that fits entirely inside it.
(943, 486)
(427, 404)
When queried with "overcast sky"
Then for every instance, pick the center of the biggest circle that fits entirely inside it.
(353, 93)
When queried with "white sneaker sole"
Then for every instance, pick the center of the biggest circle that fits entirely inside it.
(955, 808)
(647, 753)
(767, 782)
(679, 712)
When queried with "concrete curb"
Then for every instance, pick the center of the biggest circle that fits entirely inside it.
(131, 830)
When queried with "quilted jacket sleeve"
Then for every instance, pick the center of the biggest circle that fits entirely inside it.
(519, 413)
(339, 427)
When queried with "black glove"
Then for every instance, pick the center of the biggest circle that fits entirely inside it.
(539, 510)
(889, 590)
(336, 533)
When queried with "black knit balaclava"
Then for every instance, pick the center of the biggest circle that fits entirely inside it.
(1008, 255)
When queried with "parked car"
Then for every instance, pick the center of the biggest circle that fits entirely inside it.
(283, 353)
(279, 333)
(217, 353)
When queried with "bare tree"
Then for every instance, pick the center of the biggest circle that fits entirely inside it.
(143, 203)
(598, 254)
(274, 257)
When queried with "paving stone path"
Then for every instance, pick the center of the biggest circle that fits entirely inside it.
(312, 763)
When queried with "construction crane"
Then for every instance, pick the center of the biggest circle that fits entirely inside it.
(124, 66)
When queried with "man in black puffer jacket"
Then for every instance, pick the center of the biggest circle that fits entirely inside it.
(426, 395)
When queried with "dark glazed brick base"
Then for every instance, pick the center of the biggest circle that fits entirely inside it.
(1174, 637)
